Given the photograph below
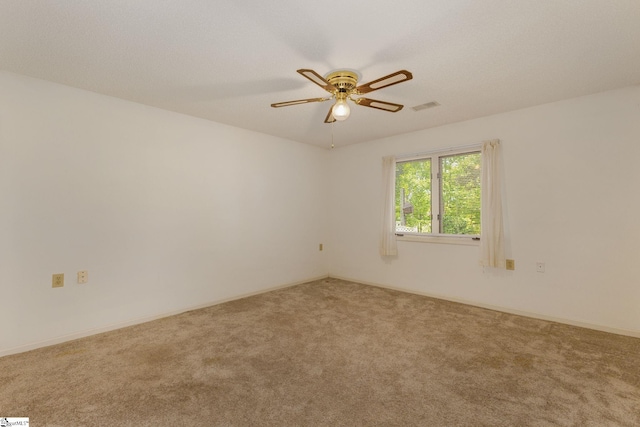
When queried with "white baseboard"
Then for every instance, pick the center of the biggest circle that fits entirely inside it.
(119, 325)
(618, 331)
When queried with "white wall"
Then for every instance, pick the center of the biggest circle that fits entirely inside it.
(165, 211)
(572, 181)
(168, 212)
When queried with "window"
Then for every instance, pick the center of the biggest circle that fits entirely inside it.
(439, 194)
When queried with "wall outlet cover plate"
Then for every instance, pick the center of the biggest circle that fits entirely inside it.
(57, 280)
(83, 276)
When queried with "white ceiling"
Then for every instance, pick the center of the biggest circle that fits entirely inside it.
(228, 60)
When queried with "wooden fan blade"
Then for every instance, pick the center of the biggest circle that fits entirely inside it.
(380, 105)
(330, 118)
(391, 79)
(317, 79)
(299, 101)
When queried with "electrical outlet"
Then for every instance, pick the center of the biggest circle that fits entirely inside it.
(511, 264)
(83, 276)
(57, 280)
(540, 267)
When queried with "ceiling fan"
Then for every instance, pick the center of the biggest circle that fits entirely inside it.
(342, 85)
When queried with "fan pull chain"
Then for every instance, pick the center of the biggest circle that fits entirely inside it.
(332, 146)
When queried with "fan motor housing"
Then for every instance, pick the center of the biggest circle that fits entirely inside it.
(344, 80)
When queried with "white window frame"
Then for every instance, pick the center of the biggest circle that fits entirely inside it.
(436, 208)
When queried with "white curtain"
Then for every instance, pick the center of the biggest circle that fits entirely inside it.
(388, 243)
(492, 242)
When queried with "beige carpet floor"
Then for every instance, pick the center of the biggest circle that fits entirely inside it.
(331, 353)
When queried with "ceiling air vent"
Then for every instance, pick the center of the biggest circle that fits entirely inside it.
(425, 106)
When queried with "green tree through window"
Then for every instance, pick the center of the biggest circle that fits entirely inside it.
(413, 196)
(440, 192)
(460, 181)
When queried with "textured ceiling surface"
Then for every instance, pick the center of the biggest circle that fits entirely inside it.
(228, 60)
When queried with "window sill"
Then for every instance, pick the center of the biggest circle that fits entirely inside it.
(438, 238)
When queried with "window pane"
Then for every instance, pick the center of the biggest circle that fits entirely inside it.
(460, 194)
(413, 196)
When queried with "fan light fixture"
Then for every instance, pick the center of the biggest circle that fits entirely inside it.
(341, 110)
